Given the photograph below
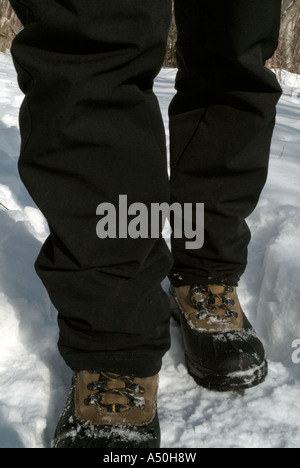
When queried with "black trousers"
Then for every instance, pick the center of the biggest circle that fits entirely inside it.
(91, 130)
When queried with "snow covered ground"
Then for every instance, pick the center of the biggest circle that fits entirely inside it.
(34, 381)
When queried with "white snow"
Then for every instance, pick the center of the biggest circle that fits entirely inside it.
(34, 381)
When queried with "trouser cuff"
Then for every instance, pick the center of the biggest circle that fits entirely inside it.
(143, 366)
(180, 278)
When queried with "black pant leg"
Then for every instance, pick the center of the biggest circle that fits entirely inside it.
(91, 131)
(221, 124)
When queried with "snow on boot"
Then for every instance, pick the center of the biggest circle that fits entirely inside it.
(106, 410)
(222, 350)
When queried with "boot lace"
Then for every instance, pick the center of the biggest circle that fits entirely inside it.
(209, 303)
(127, 392)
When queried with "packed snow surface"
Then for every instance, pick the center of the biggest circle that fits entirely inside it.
(34, 381)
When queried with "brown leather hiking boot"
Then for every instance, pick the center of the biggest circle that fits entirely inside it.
(106, 410)
(222, 350)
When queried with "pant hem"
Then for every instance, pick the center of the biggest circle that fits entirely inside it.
(181, 278)
(121, 365)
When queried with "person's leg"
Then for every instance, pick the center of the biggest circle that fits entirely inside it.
(221, 124)
(91, 131)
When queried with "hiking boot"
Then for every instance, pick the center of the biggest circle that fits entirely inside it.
(106, 410)
(222, 350)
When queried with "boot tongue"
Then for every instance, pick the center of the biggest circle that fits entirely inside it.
(114, 396)
(115, 384)
(114, 399)
(216, 289)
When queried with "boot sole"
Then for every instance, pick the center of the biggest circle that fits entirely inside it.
(240, 380)
(236, 381)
